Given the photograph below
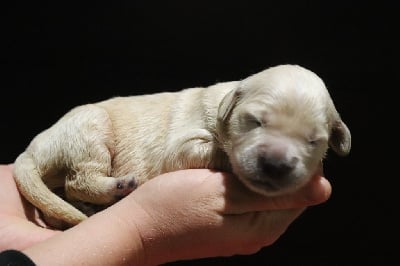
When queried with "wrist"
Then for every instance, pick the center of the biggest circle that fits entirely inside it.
(149, 236)
(124, 234)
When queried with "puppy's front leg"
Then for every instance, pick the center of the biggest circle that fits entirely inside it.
(192, 149)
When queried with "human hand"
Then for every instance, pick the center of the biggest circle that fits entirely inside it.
(182, 215)
(200, 213)
(19, 220)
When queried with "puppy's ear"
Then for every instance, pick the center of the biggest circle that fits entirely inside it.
(340, 138)
(228, 102)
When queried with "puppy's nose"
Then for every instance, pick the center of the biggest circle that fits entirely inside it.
(276, 167)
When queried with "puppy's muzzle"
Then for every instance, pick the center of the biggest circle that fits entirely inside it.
(274, 162)
(275, 167)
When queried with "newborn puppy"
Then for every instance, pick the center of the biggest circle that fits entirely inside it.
(271, 130)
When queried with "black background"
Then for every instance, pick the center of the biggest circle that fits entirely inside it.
(55, 56)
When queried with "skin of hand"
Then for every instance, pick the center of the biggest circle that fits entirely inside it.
(186, 214)
(19, 220)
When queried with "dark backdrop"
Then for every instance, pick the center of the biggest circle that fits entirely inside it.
(58, 55)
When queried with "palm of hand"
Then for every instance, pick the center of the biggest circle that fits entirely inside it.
(20, 223)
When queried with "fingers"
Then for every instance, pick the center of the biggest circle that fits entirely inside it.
(242, 200)
(265, 228)
(230, 196)
(317, 191)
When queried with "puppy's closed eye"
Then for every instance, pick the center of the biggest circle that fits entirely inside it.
(250, 121)
(315, 141)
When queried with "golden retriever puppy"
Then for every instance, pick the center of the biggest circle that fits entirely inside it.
(272, 130)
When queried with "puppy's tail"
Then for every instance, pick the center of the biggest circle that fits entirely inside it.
(32, 187)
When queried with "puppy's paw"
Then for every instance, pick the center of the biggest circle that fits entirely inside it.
(123, 186)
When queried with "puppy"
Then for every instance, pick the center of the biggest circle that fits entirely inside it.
(272, 130)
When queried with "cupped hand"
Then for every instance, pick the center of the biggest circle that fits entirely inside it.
(186, 214)
(201, 213)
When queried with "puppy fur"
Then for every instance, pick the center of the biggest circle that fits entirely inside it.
(272, 130)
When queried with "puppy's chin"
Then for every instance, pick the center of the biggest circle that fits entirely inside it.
(269, 182)
(269, 187)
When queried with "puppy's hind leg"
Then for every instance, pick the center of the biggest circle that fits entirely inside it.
(90, 135)
(97, 188)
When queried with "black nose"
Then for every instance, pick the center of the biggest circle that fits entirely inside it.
(276, 168)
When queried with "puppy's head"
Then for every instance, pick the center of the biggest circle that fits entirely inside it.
(276, 127)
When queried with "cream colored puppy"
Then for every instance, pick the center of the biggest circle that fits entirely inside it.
(271, 130)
